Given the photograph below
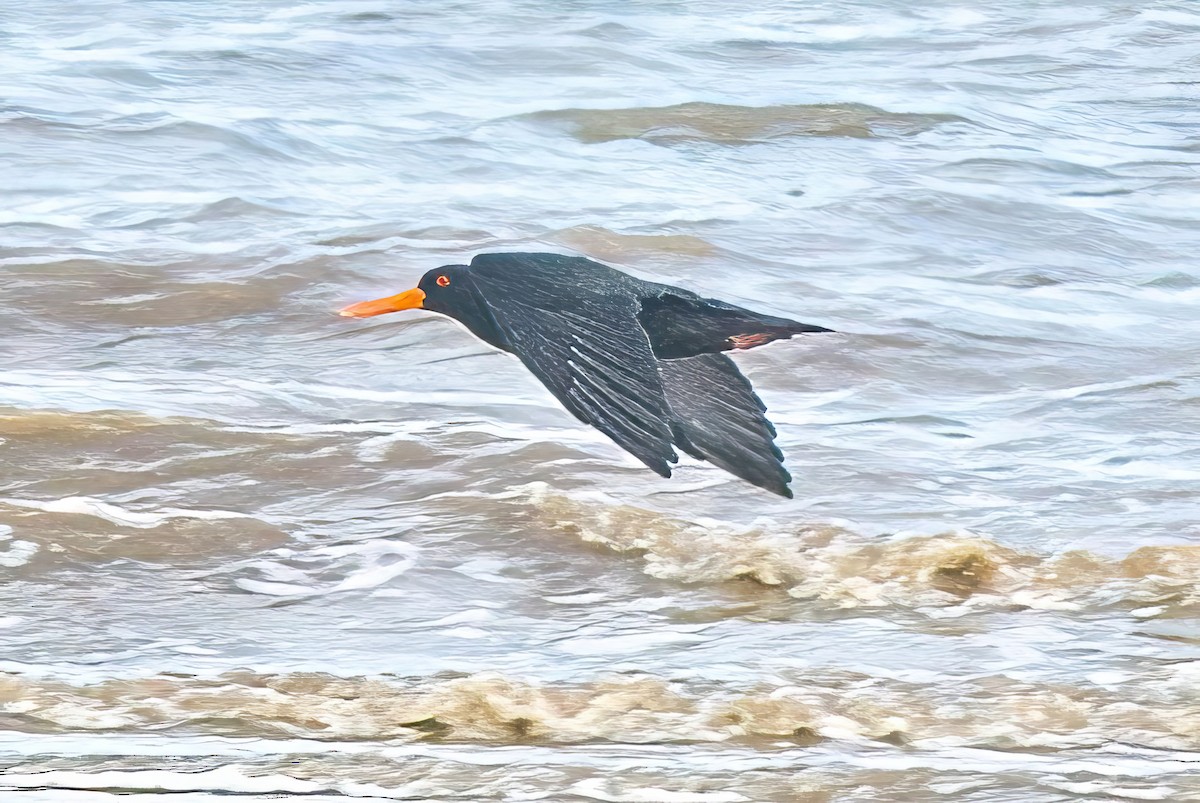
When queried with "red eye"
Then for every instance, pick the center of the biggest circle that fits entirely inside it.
(443, 281)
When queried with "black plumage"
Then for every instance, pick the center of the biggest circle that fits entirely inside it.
(642, 362)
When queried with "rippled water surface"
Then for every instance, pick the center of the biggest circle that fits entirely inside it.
(252, 548)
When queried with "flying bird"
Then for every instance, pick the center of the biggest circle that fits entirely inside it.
(641, 362)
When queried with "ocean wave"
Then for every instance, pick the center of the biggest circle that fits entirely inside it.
(603, 243)
(836, 566)
(91, 530)
(734, 125)
(86, 506)
(1157, 709)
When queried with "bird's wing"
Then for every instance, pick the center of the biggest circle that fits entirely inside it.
(594, 358)
(718, 417)
(682, 324)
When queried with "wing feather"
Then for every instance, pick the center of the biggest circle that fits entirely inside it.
(595, 359)
(719, 418)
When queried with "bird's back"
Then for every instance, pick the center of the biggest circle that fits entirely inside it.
(555, 278)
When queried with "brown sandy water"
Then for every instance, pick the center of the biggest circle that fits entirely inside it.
(250, 548)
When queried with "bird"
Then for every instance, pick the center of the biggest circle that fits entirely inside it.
(642, 362)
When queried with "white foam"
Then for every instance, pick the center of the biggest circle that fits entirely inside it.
(627, 644)
(273, 589)
(94, 796)
(18, 554)
(1105, 788)
(462, 617)
(594, 788)
(581, 598)
(89, 506)
(370, 553)
(222, 779)
(1171, 17)
(467, 633)
(364, 565)
(136, 298)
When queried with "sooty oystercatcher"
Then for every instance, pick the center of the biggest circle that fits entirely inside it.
(639, 361)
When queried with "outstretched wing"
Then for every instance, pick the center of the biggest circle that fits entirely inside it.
(640, 362)
(594, 358)
(719, 418)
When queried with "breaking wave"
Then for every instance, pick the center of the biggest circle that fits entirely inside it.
(1156, 709)
(839, 567)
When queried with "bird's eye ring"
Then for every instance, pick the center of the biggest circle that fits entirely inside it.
(443, 281)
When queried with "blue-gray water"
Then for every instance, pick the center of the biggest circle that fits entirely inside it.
(252, 548)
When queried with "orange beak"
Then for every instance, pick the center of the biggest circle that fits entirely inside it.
(409, 299)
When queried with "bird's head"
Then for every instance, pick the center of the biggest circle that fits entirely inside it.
(447, 290)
